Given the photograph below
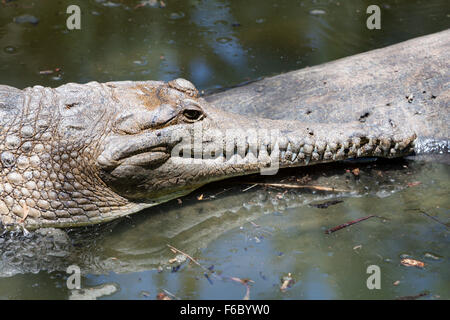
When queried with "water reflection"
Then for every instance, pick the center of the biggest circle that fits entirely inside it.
(265, 233)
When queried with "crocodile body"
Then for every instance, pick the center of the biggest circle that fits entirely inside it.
(83, 154)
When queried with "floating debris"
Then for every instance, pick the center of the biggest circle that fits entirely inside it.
(26, 18)
(317, 12)
(179, 258)
(252, 186)
(208, 278)
(245, 282)
(148, 3)
(176, 268)
(298, 186)
(432, 256)
(46, 72)
(342, 226)
(287, 282)
(162, 296)
(412, 263)
(10, 49)
(435, 219)
(423, 294)
(326, 204)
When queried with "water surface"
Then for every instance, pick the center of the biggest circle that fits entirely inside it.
(238, 230)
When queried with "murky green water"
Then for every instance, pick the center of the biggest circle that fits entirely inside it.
(237, 230)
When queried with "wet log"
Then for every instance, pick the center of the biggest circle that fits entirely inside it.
(406, 84)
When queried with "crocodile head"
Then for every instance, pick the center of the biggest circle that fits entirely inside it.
(166, 142)
(96, 152)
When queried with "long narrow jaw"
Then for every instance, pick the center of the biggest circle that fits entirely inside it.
(179, 142)
(176, 160)
(240, 146)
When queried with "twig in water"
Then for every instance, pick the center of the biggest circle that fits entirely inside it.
(187, 256)
(297, 186)
(423, 294)
(246, 189)
(242, 281)
(192, 259)
(429, 216)
(171, 294)
(245, 283)
(326, 204)
(342, 226)
(435, 219)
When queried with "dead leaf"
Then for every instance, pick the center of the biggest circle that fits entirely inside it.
(355, 172)
(162, 296)
(413, 184)
(287, 282)
(200, 197)
(412, 263)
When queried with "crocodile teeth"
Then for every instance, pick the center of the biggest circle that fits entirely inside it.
(315, 156)
(289, 148)
(308, 149)
(294, 155)
(307, 159)
(283, 143)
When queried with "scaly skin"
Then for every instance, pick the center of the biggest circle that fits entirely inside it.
(84, 154)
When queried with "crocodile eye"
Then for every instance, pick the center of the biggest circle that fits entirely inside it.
(193, 114)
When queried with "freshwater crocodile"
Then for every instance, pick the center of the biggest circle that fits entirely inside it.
(82, 154)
